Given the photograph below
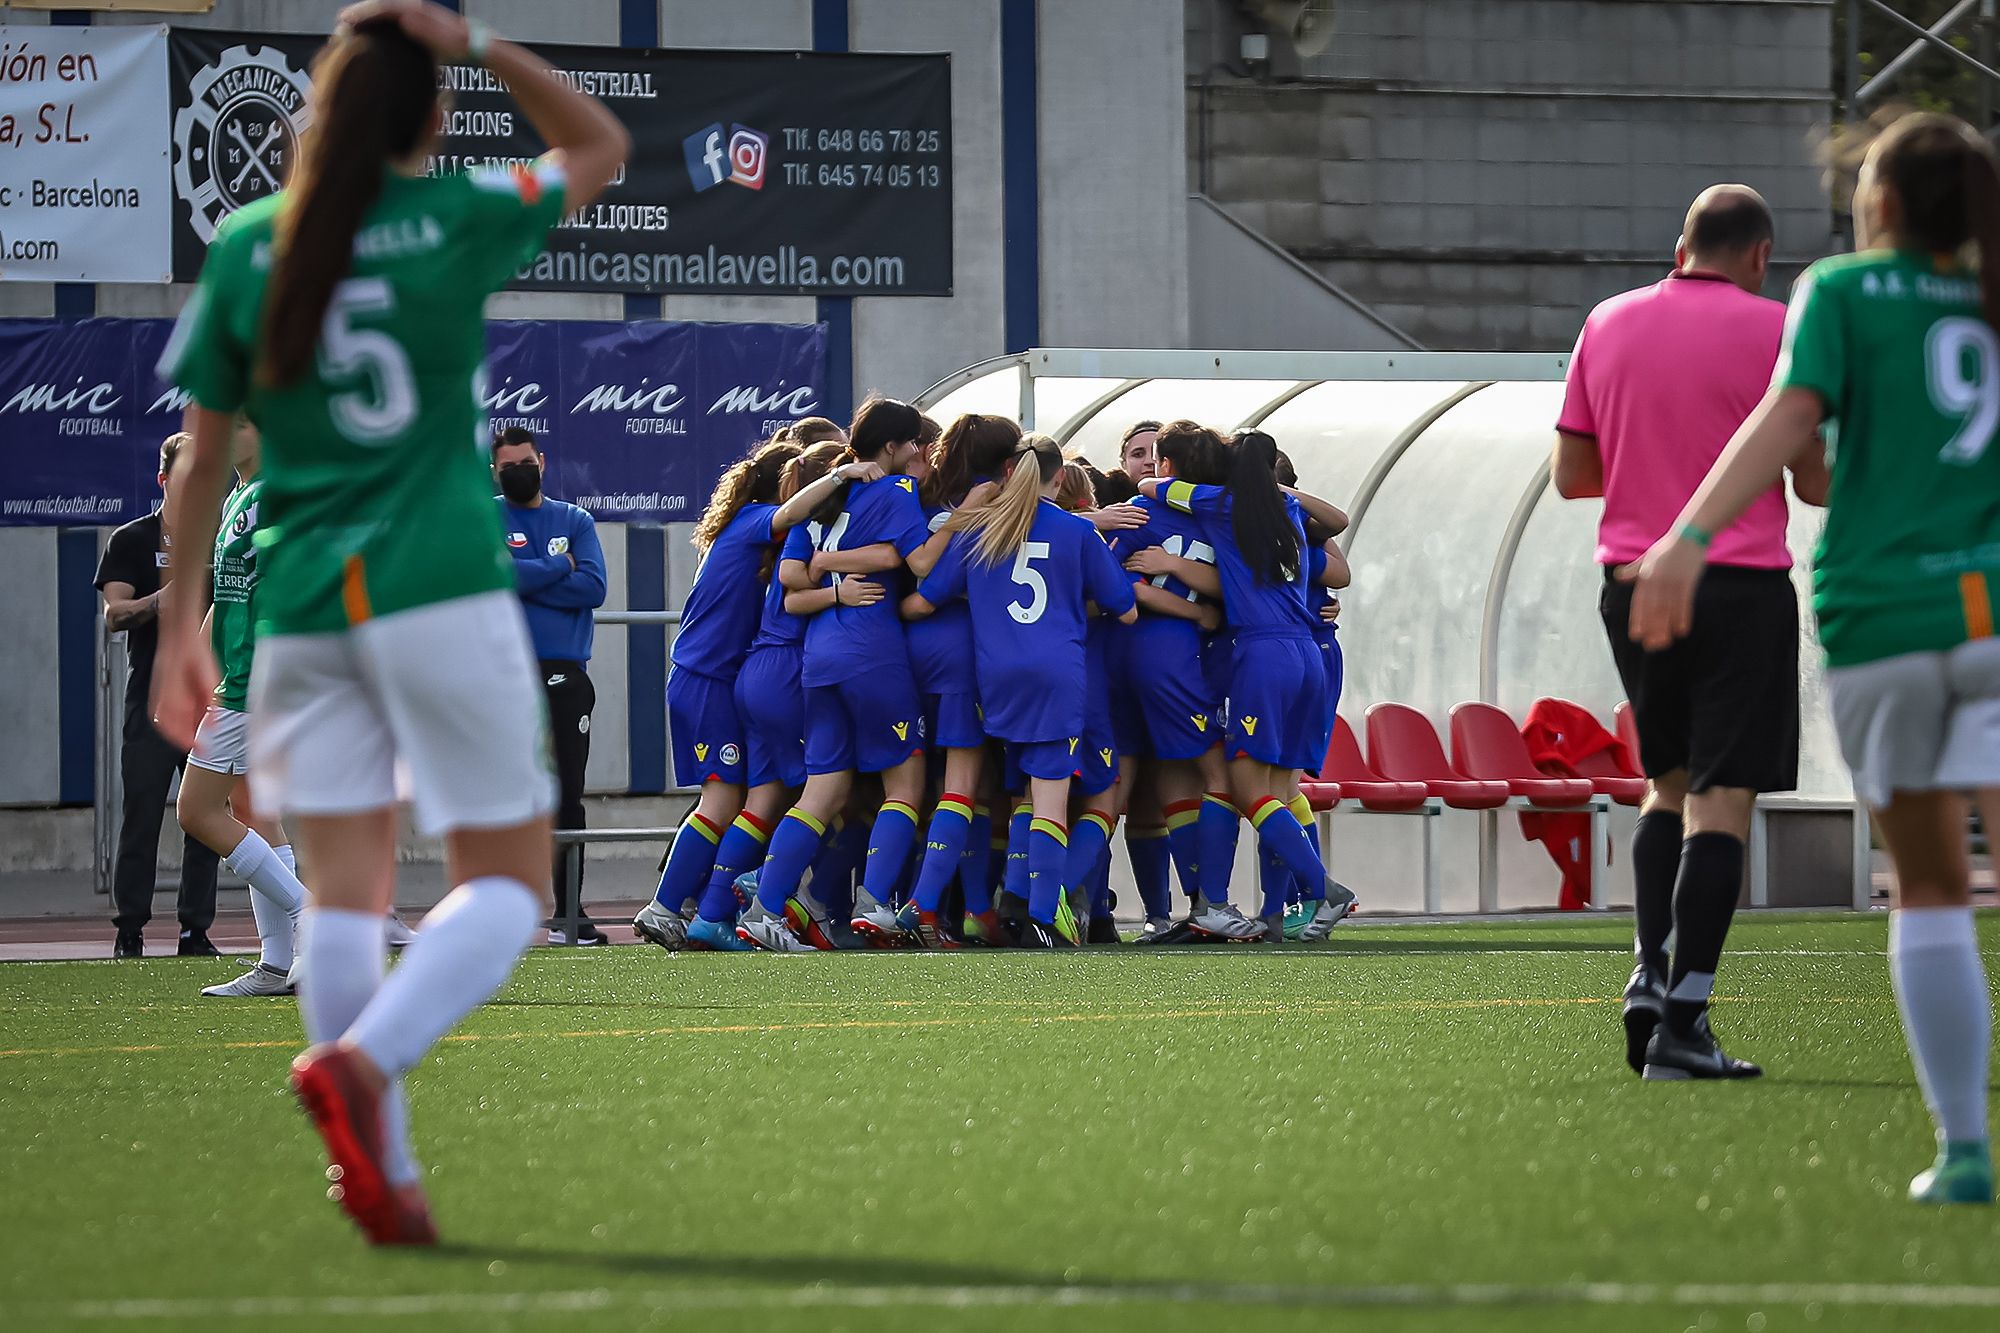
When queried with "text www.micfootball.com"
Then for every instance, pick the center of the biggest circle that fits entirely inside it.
(63, 506)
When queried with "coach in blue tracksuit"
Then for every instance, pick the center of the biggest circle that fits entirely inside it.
(559, 571)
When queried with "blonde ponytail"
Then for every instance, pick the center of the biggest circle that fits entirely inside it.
(1003, 525)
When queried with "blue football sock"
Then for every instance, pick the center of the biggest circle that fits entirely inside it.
(1048, 852)
(1088, 838)
(793, 846)
(889, 851)
(1279, 832)
(689, 862)
(1016, 881)
(944, 849)
(833, 872)
(1277, 881)
(1184, 835)
(975, 866)
(1311, 891)
(1217, 824)
(1149, 850)
(742, 848)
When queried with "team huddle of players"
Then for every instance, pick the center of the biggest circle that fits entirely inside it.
(924, 672)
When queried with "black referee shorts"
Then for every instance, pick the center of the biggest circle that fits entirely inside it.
(1722, 703)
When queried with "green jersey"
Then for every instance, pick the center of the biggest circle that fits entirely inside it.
(376, 494)
(232, 629)
(1909, 370)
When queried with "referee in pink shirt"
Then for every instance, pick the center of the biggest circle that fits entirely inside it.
(1661, 379)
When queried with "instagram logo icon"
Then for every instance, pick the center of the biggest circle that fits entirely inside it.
(739, 160)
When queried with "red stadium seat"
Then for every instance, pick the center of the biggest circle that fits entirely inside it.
(1349, 777)
(1403, 748)
(1486, 744)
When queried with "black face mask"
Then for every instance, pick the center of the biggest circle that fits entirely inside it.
(520, 482)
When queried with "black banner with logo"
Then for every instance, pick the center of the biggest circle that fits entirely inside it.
(752, 172)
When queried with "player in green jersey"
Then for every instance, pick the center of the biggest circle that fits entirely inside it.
(214, 802)
(344, 315)
(1893, 352)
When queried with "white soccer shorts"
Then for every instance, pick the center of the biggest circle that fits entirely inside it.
(1921, 721)
(222, 742)
(440, 706)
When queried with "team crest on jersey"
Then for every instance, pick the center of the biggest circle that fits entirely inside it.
(1249, 726)
(731, 756)
(243, 522)
(517, 540)
(1200, 721)
(700, 753)
(558, 546)
(234, 140)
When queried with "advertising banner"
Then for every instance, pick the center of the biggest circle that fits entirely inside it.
(752, 172)
(637, 420)
(85, 194)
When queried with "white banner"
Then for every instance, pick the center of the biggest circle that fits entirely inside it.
(86, 188)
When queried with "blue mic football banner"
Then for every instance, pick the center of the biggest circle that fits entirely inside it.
(637, 419)
(752, 172)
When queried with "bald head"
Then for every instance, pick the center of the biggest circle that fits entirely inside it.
(1728, 231)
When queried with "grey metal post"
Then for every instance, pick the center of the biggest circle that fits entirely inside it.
(1851, 104)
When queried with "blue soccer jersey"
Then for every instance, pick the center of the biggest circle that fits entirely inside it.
(1318, 595)
(941, 644)
(847, 642)
(720, 616)
(777, 627)
(1028, 619)
(1255, 608)
(1174, 532)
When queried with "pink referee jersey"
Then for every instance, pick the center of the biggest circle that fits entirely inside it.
(1662, 377)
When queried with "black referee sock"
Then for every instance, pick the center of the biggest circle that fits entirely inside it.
(1656, 861)
(1705, 894)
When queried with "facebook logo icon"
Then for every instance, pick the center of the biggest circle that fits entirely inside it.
(739, 159)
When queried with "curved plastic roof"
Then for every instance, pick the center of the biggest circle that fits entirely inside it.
(1472, 578)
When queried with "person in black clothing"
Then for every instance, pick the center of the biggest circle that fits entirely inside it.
(559, 572)
(130, 575)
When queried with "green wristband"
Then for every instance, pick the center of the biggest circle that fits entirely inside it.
(1700, 536)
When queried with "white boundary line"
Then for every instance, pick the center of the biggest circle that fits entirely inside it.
(1454, 1295)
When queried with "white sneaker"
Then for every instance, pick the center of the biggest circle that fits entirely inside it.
(663, 927)
(400, 932)
(767, 931)
(1332, 911)
(1224, 922)
(259, 980)
(877, 924)
(298, 969)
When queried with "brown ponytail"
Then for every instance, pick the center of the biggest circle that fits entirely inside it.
(374, 94)
(753, 479)
(1004, 524)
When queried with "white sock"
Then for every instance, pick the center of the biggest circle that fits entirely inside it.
(344, 961)
(274, 931)
(285, 853)
(1947, 1013)
(467, 947)
(256, 861)
(1694, 988)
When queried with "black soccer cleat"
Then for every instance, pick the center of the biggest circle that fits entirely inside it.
(1036, 935)
(196, 944)
(1671, 1057)
(129, 944)
(1645, 1006)
(1102, 930)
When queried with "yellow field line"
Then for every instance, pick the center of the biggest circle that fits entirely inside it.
(1274, 1010)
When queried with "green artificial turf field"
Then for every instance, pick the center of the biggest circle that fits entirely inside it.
(1416, 1127)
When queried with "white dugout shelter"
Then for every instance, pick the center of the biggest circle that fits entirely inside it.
(1473, 580)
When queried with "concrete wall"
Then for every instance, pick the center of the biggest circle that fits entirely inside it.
(1483, 173)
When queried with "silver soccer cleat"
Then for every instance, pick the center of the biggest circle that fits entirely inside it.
(661, 926)
(1224, 922)
(260, 980)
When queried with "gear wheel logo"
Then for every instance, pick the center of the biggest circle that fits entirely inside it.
(234, 140)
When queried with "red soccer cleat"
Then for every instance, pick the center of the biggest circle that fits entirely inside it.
(328, 1083)
(931, 933)
(409, 1218)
